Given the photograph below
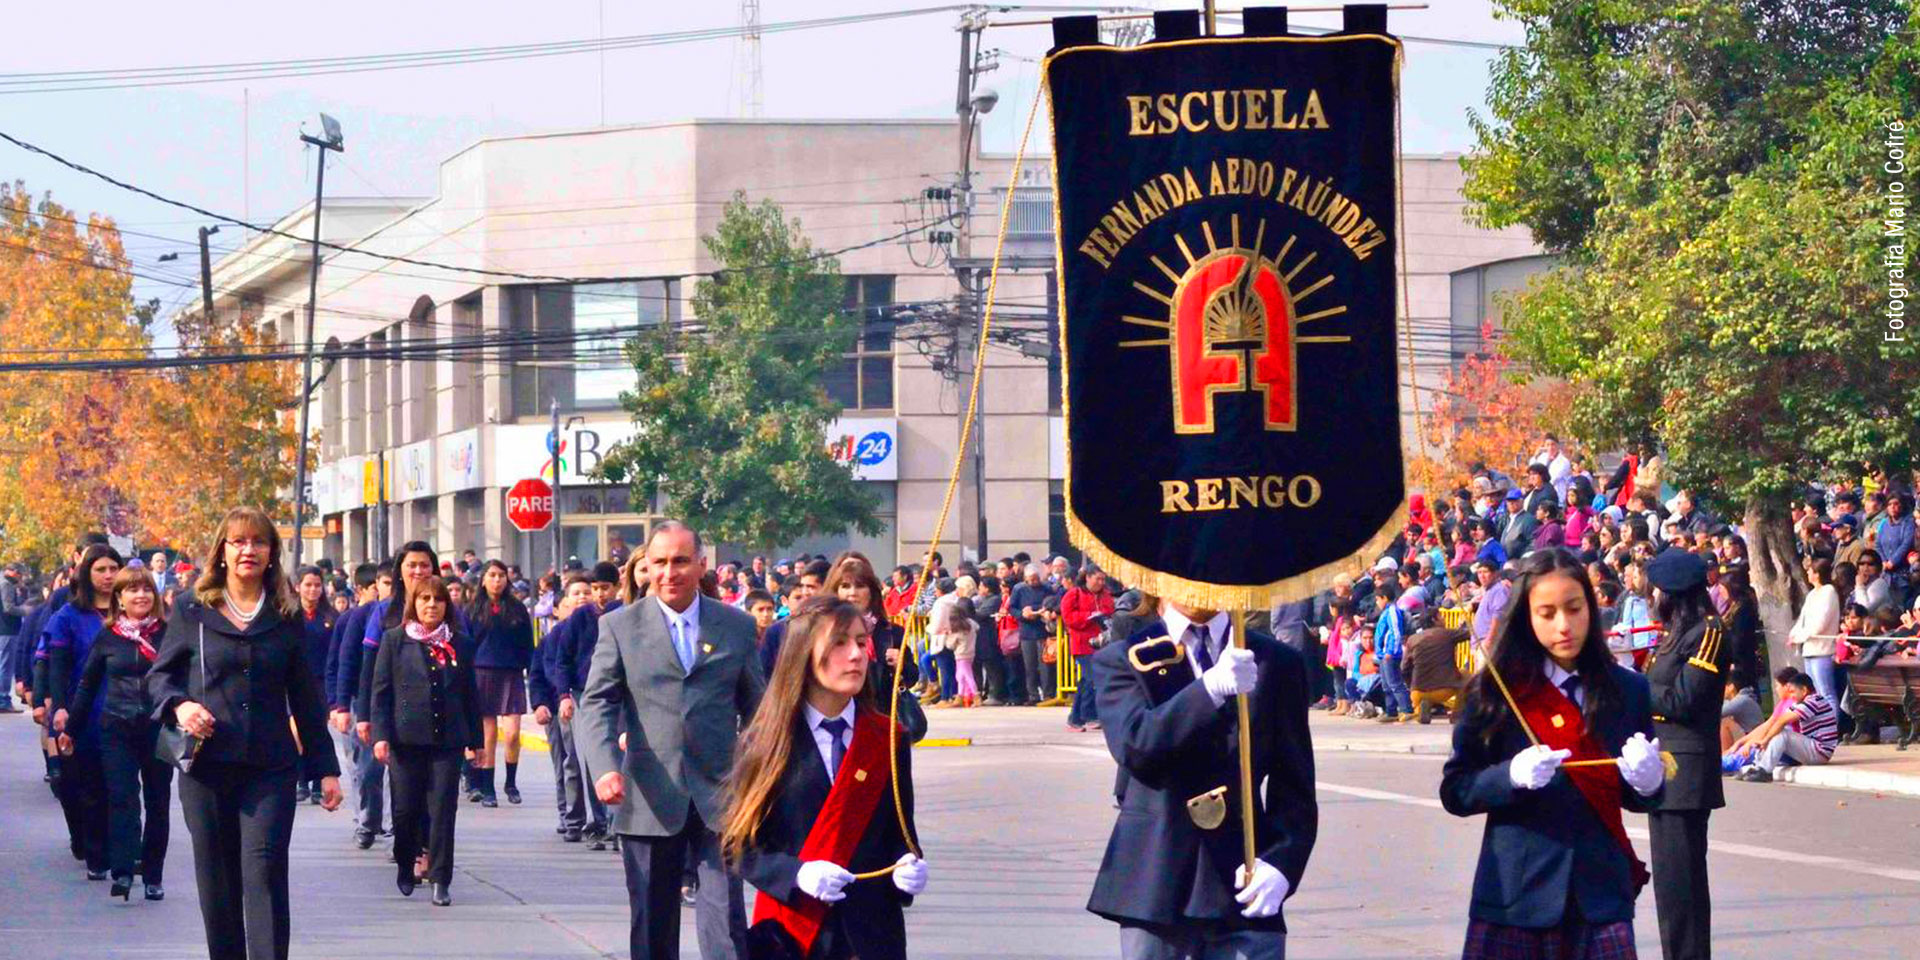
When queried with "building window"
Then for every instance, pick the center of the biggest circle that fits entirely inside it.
(864, 379)
(581, 329)
(1476, 302)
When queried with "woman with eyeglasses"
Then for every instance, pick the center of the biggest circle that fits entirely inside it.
(231, 671)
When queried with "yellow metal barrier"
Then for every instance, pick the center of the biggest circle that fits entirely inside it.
(1453, 618)
(1066, 670)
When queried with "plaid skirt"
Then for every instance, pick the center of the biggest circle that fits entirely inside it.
(1569, 941)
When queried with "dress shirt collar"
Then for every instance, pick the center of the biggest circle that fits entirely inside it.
(1557, 675)
(689, 617)
(1177, 624)
(815, 717)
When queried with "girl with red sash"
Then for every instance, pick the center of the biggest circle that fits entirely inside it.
(1557, 877)
(811, 801)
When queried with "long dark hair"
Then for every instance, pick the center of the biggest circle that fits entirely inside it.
(395, 615)
(481, 606)
(1517, 654)
(80, 589)
(1680, 612)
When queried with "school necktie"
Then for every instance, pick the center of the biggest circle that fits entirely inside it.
(1571, 687)
(1200, 641)
(836, 728)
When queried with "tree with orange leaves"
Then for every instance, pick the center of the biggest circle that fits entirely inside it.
(158, 455)
(1491, 412)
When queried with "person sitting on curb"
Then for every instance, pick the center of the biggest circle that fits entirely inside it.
(1807, 733)
(1741, 712)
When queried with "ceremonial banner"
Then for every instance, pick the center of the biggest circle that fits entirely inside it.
(1226, 230)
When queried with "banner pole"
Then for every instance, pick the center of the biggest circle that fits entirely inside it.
(1213, 29)
(1246, 751)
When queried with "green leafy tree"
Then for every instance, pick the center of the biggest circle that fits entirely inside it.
(729, 413)
(1713, 176)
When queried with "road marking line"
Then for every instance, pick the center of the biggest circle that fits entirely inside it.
(537, 742)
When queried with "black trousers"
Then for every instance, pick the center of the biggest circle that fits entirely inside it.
(241, 819)
(136, 780)
(655, 868)
(83, 799)
(426, 794)
(1679, 845)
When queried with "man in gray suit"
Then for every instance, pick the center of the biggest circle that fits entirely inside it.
(684, 668)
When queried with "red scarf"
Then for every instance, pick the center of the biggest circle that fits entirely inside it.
(439, 642)
(1557, 721)
(141, 632)
(864, 778)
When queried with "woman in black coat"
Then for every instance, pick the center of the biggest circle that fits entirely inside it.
(232, 669)
(112, 704)
(818, 733)
(1557, 874)
(426, 715)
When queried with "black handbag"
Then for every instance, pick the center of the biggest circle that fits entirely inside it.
(176, 747)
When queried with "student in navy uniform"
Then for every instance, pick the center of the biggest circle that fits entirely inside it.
(1557, 875)
(349, 659)
(503, 649)
(571, 658)
(426, 714)
(812, 577)
(317, 620)
(543, 691)
(69, 637)
(1173, 876)
(819, 734)
(111, 708)
(1687, 676)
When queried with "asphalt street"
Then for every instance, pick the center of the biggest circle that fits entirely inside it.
(1014, 834)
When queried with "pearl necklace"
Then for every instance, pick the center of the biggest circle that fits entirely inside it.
(244, 619)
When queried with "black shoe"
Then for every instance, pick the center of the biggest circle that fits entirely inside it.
(406, 883)
(362, 839)
(442, 897)
(316, 797)
(96, 874)
(474, 795)
(156, 892)
(122, 887)
(686, 896)
(571, 835)
(596, 841)
(300, 793)
(513, 794)
(560, 830)
(488, 802)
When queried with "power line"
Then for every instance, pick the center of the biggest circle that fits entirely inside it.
(127, 78)
(429, 264)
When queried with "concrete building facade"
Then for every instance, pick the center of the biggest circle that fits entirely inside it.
(525, 218)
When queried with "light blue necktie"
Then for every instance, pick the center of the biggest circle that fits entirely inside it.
(682, 646)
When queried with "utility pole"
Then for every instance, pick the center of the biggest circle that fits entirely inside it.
(553, 447)
(206, 274)
(750, 75)
(969, 108)
(330, 128)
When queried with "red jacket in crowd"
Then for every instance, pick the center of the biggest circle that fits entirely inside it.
(1078, 609)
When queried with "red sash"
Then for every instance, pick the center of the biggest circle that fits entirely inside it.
(864, 778)
(1557, 721)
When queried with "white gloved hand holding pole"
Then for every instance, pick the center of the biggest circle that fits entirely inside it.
(1235, 673)
(1534, 767)
(910, 875)
(823, 880)
(1261, 897)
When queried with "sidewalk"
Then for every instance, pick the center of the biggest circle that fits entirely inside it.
(1882, 768)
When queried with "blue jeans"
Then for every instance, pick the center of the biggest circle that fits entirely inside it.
(949, 684)
(1399, 700)
(1084, 710)
(6, 671)
(1824, 684)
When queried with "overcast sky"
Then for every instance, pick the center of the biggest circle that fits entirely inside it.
(190, 141)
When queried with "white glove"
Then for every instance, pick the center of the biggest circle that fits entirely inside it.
(1640, 764)
(1262, 897)
(1535, 766)
(910, 875)
(823, 880)
(1235, 673)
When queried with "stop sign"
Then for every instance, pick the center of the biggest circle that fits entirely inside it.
(530, 505)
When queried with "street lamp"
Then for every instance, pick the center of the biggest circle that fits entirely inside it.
(330, 140)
